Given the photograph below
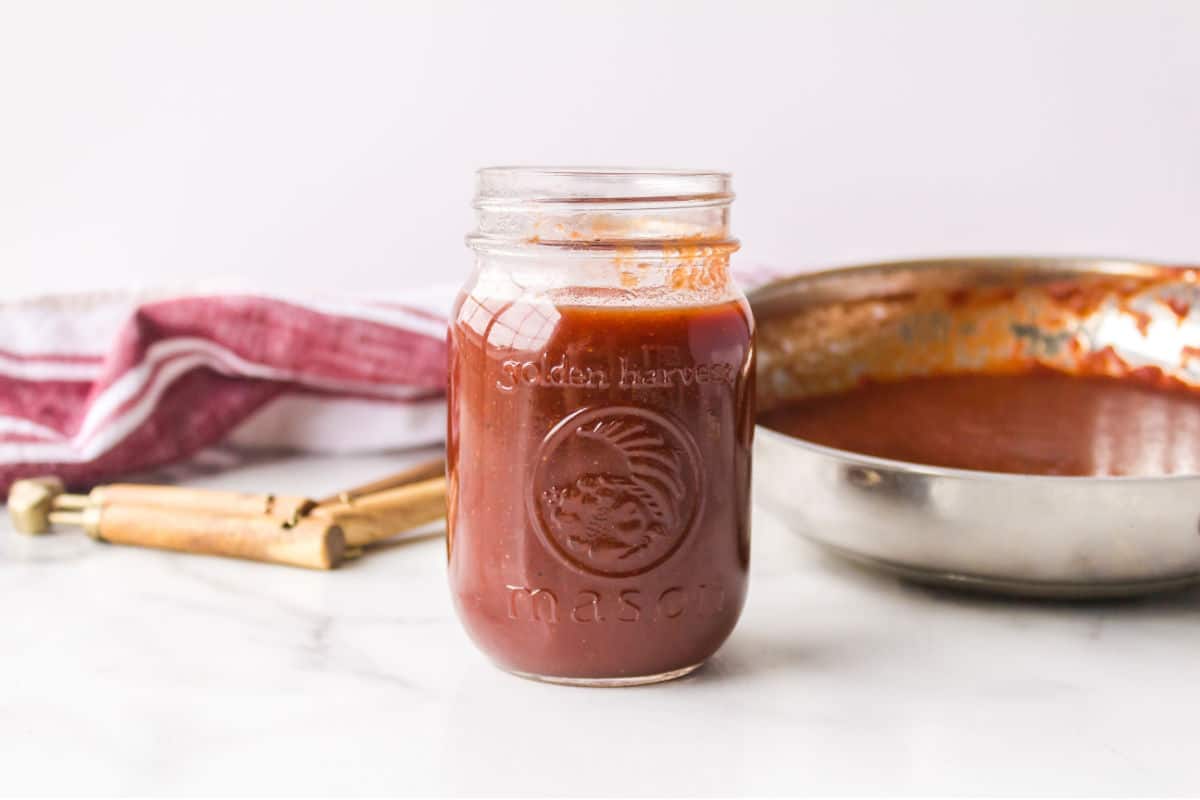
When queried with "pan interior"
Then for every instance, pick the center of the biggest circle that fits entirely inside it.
(1094, 344)
(830, 332)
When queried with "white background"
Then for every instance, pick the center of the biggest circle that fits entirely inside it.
(331, 145)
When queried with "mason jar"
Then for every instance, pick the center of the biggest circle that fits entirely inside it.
(600, 423)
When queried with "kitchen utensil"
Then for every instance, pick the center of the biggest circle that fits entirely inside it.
(1075, 537)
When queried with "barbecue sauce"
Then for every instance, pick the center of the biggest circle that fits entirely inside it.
(599, 478)
(1038, 423)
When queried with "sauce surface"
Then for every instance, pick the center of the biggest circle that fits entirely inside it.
(599, 476)
(1042, 423)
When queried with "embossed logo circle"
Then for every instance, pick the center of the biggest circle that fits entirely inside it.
(615, 490)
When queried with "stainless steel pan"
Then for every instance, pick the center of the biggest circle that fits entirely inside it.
(1017, 534)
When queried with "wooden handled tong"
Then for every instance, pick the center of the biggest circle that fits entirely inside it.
(279, 529)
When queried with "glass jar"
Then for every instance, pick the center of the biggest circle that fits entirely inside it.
(600, 425)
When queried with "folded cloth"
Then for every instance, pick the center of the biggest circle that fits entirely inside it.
(97, 386)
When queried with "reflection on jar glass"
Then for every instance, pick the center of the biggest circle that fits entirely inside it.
(600, 424)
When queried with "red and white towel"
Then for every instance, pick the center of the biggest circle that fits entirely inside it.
(97, 386)
(93, 387)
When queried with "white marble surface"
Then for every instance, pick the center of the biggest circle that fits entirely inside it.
(130, 671)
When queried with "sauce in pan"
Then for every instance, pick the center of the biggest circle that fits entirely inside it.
(1039, 423)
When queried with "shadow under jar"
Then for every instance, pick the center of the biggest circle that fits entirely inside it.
(600, 425)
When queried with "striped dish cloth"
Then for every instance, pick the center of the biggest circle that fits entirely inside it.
(97, 386)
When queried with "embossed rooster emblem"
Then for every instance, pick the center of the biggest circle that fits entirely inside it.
(631, 501)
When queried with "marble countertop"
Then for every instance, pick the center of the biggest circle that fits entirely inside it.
(133, 671)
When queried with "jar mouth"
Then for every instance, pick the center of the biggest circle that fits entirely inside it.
(626, 188)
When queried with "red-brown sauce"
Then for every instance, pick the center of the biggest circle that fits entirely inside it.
(599, 464)
(1042, 423)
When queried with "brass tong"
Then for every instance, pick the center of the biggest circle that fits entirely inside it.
(278, 529)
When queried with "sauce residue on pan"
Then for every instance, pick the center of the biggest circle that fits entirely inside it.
(1040, 423)
(1091, 375)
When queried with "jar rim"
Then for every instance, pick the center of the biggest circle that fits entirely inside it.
(592, 169)
(503, 186)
